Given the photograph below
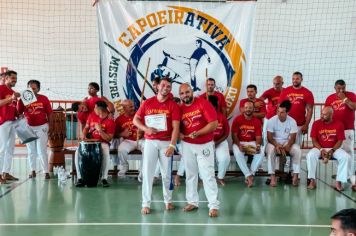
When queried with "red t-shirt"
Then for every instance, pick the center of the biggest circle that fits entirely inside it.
(299, 99)
(260, 109)
(223, 127)
(221, 99)
(107, 125)
(195, 117)
(36, 113)
(246, 130)
(83, 117)
(342, 112)
(152, 106)
(272, 97)
(327, 134)
(8, 111)
(91, 102)
(125, 122)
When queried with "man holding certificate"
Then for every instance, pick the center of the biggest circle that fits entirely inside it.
(159, 118)
(199, 120)
(37, 115)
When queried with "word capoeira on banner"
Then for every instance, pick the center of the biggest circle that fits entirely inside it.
(187, 42)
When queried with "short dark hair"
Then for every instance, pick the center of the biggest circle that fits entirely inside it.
(95, 85)
(157, 79)
(340, 82)
(286, 104)
(347, 219)
(199, 41)
(252, 86)
(33, 81)
(211, 79)
(10, 72)
(75, 106)
(298, 73)
(214, 101)
(166, 78)
(102, 105)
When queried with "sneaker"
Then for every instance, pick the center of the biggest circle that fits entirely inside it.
(105, 183)
(79, 183)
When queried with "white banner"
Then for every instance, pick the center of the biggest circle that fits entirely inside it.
(183, 40)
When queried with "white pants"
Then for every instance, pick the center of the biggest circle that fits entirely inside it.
(114, 145)
(264, 135)
(299, 137)
(7, 146)
(125, 147)
(153, 152)
(222, 155)
(181, 168)
(295, 153)
(105, 162)
(199, 159)
(241, 159)
(348, 146)
(38, 148)
(340, 155)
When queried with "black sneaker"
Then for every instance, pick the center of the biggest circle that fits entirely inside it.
(79, 183)
(105, 183)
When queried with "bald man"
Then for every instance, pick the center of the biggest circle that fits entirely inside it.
(198, 123)
(132, 138)
(327, 136)
(246, 132)
(271, 96)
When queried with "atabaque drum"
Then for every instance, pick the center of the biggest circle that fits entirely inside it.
(57, 130)
(89, 162)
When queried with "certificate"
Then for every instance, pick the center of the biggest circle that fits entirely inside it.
(28, 97)
(157, 121)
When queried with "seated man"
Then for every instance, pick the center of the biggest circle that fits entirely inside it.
(99, 127)
(281, 134)
(132, 137)
(246, 133)
(327, 136)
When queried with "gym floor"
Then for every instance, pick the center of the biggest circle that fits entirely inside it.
(45, 207)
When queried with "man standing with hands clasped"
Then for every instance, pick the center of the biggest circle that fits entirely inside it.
(199, 120)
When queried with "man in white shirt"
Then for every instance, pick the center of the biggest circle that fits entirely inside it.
(281, 134)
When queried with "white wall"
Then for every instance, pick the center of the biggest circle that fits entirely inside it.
(57, 43)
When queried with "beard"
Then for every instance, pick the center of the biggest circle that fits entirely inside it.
(188, 100)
